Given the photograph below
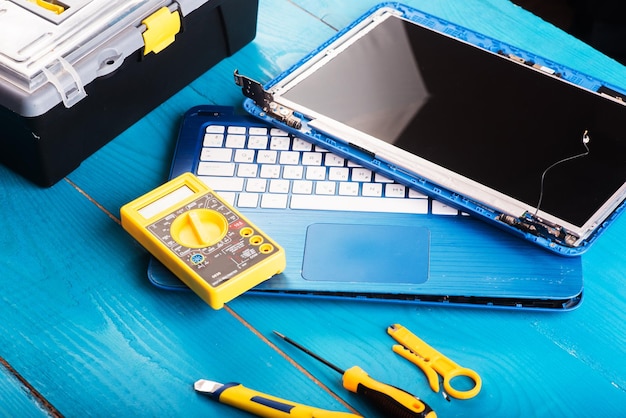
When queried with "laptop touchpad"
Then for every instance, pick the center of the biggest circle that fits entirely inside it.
(366, 253)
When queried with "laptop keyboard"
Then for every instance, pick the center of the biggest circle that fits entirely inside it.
(258, 167)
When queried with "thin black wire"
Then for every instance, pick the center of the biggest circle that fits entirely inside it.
(585, 139)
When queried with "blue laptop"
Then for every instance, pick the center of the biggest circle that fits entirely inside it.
(357, 226)
(350, 232)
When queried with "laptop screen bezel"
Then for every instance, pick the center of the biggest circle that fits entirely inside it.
(412, 163)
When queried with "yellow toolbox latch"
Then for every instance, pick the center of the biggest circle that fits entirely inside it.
(54, 6)
(161, 29)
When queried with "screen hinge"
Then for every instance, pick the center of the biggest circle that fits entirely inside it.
(255, 91)
(541, 228)
(161, 29)
(66, 80)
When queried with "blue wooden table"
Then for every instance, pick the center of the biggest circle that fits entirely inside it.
(83, 333)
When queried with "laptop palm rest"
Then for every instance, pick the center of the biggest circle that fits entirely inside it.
(366, 253)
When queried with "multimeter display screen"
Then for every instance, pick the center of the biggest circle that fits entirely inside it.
(165, 202)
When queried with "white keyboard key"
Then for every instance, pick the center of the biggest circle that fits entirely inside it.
(325, 187)
(215, 129)
(270, 171)
(302, 187)
(332, 160)
(247, 170)
(230, 184)
(338, 173)
(293, 172)
(257, 130)
(248, 200)
(274, 201)
(278, 132)
(289, 157)
(348, 189)
(236, 141)
(279, 186)
(361, 174)
(439, 208)
(206, 168)
(266, 157)
(315, 173)
(216, 154)
(241, 130)
(301, 145)
(257, 142)
(372, 189)
(360, 204)
(244, 155)
(300, 173)
(312, 158)
(395, 190)
(280, 143)
(414, 194)
(256, 185)
(213, 140)
(379, 178)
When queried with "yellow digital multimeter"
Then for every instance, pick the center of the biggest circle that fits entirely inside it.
(203, 240)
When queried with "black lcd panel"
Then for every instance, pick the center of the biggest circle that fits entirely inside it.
(486, 117)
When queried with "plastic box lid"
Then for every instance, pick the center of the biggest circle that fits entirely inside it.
(51, 49)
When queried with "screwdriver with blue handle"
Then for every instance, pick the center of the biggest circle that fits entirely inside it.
(241, 397)
(389, 400)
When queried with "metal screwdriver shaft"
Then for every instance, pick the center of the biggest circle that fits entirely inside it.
(310, 353)
(393, 402)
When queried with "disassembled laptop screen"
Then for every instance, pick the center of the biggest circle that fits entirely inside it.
(494, 121)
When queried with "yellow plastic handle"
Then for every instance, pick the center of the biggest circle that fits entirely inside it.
(388, 399)
(264, 405)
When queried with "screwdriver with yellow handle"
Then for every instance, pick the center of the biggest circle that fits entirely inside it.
(389, 400)
(241, 397)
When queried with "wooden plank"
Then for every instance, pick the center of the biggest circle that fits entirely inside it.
(81, 324)
(531, 363)
(16, 399)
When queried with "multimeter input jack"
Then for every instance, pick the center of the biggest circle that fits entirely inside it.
(256, 240)
(246, 232)
(266, 248)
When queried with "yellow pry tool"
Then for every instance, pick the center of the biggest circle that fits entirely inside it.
(433, 363)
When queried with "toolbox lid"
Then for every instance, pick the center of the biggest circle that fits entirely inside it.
(51, 49)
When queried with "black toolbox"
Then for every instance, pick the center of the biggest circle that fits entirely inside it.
(74, 74)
